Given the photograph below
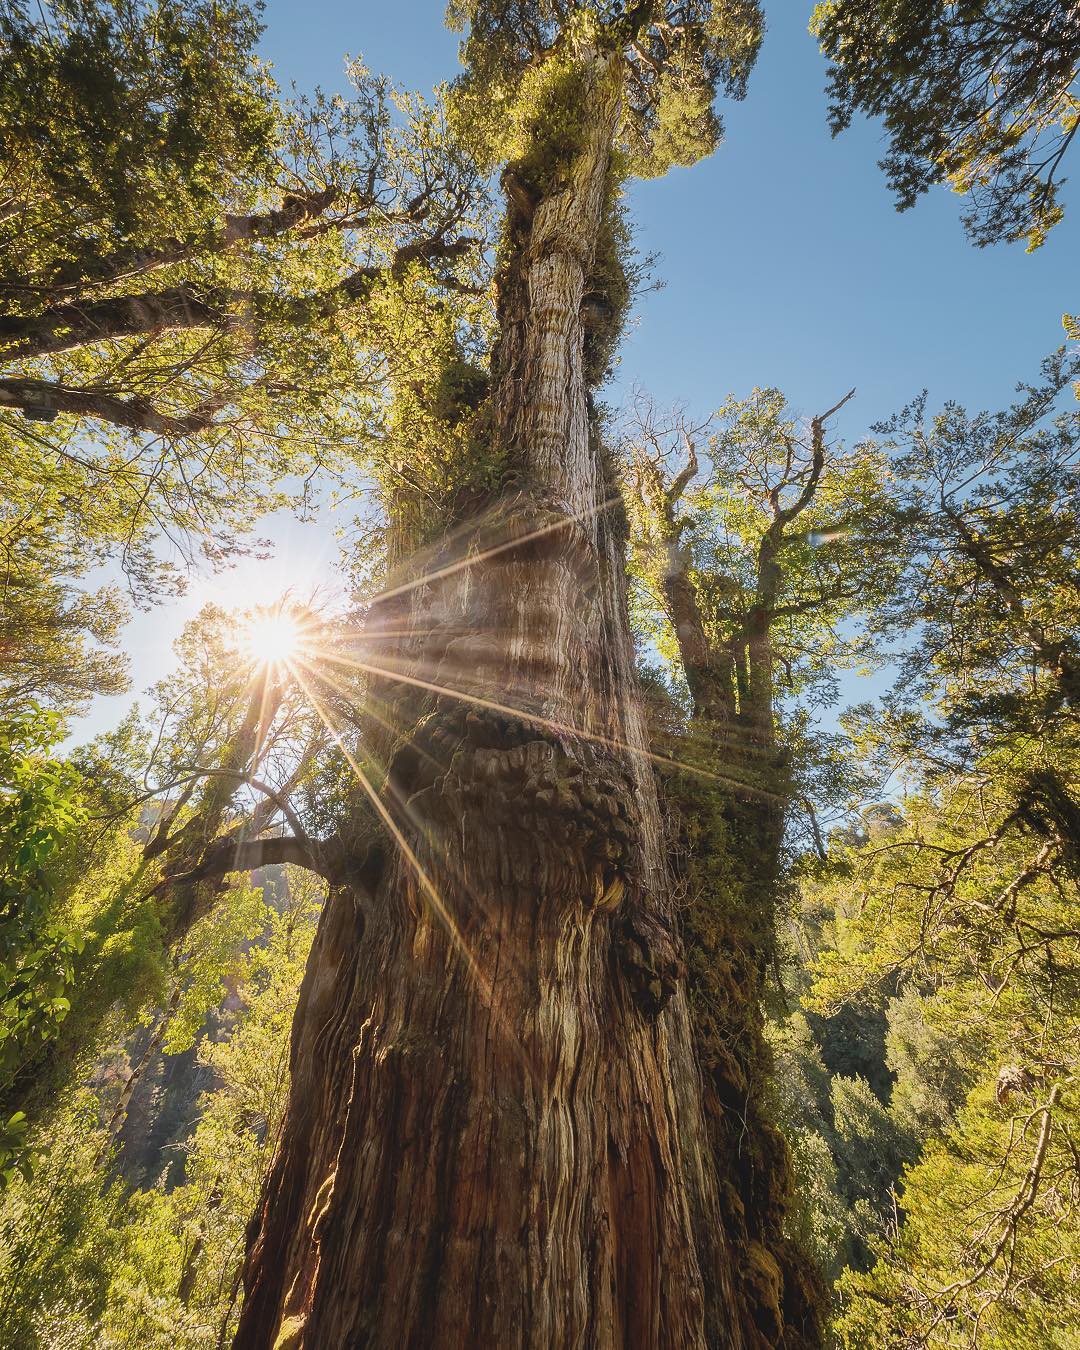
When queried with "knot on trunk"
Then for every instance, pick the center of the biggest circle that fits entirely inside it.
(649, 954)
(568, 797)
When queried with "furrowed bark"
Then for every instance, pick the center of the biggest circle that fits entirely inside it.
(494, 1134)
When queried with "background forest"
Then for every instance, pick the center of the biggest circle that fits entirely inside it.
(232, 309)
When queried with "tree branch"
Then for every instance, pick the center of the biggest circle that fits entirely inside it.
(232, 855)
(66, 327)
(817, 462)
(110, 268)
(41, 400)
(686, 476)
(1025, 1198)
(259, 786)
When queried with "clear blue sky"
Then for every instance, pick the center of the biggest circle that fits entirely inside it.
(783, 259)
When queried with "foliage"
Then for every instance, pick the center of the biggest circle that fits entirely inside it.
(240, 1121)
(983, 516)
(211, 292)
(748, 566)
(86, 1263)
(932, 954)
(800, 1091)
(985, 1062)
(190, 277)
(41, 808)
(930, 1066)
(434, 461)
(150, 799)
(520, 69)
(980, 96)
(987, 1254)
(58, 641)
(211, 959)
(103, 902)
(176, 78)
(970, 893)
(59, 1235)
(148, 112)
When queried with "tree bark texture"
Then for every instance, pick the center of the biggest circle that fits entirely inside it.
(495, 1135)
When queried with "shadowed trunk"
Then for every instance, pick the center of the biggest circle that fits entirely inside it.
(494, 1136)
(730, 840)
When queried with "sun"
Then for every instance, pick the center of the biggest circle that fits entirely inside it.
(272, 638)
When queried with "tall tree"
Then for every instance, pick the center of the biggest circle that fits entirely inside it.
(983, 517)
(980, 96)
(972, 918)
(747, 565)
(495, 1131)
(749, 551)
(963, 905)
(108, 924)
(41, 809)
(747, 556)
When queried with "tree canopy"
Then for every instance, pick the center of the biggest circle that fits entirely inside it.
(980, 96)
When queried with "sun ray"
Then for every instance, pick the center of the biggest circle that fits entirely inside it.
(550, 724)
(266, 717)
(427, 885)
(730, 740)
(319, 671)
(403, 804)
(457, 938)
(507, 545)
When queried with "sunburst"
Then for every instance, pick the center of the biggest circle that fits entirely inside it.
(273, 637)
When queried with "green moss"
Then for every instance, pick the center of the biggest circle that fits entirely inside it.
(546, 131)
(437, 456)
(728, 928)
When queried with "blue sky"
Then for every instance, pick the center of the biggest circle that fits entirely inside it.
(783, 260)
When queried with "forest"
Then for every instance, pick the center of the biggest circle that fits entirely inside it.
(630, 899)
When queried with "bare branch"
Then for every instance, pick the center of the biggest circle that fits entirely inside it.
(234, 855)
(41, 400)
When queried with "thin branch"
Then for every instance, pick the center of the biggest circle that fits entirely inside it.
(231, 855)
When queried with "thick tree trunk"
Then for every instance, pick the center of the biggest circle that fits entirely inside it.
(494, 1136)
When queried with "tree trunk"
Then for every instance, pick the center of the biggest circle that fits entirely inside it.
(730, 850)
(494, 1135)
(186, 902)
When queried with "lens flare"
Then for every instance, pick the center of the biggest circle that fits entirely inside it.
(272, 638)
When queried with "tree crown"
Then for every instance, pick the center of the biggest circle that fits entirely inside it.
(980, 96)
(674, 59)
